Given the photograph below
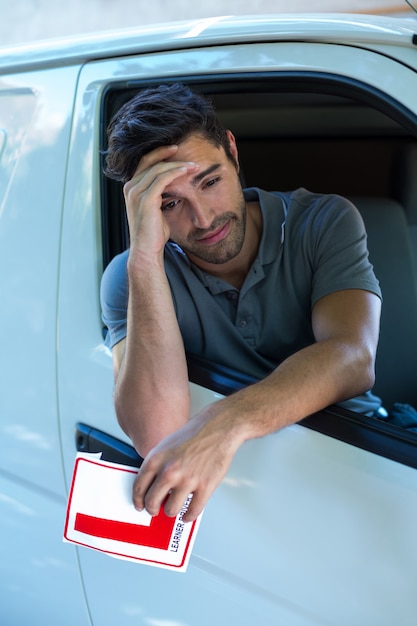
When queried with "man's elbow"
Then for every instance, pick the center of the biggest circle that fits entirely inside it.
(142, 444)
(369, 378)
(129, 420)
(365, 370)
(147, 425)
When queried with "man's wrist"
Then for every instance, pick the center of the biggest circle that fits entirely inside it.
(140, 261)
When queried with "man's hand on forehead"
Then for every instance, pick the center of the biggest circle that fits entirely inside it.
(163, 153)
(143, 195)
(160, 168)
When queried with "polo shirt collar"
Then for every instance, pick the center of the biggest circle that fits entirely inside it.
(273, 216)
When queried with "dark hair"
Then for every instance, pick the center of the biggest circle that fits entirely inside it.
(155, 117)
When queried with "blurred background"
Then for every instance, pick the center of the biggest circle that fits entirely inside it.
(23, 21)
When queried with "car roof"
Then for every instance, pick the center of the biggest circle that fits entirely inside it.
(322, 27)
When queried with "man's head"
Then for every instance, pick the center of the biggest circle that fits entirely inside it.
(155, 117)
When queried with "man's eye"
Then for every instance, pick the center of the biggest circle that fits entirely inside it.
(169, 205)
(212, 181)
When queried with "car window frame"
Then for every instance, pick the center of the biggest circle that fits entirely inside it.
(367, 433)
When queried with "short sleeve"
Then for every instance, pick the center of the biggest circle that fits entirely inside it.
(339, 250)
(114, 298)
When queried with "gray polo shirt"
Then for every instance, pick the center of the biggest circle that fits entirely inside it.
(311, 245)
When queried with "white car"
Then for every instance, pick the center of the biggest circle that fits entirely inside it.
(315, 525)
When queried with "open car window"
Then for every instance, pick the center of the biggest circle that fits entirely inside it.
(329, 135)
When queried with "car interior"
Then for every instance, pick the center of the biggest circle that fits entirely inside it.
(329, 135)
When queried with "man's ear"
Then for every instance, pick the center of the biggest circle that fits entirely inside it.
(233, 148)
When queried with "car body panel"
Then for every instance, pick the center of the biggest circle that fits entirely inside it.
(216, 31)
(39, 574)
(35, 113)
(280, 539)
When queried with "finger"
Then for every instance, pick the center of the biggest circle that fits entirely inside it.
(157, 178)
(145, 176)
(142, 482)
(196, 506)
(155, 156)
(175, 501)
(160, 490)
(153, 484)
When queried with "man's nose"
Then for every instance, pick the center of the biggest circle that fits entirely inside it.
(201, 216)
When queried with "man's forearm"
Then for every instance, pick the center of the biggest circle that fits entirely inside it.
(196, 457)
(338, 366)
(151, 393)
(317, 376)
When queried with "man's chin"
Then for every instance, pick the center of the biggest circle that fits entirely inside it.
(217, 255)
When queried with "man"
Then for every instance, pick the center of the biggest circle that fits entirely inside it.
(278, 286)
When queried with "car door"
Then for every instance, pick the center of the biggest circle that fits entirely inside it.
(306, 528)
(39, 576)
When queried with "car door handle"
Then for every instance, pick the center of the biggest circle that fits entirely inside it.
(90, 439)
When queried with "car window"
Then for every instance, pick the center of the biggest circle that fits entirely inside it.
(329, 135)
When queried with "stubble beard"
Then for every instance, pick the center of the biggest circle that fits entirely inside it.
(226, 249)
